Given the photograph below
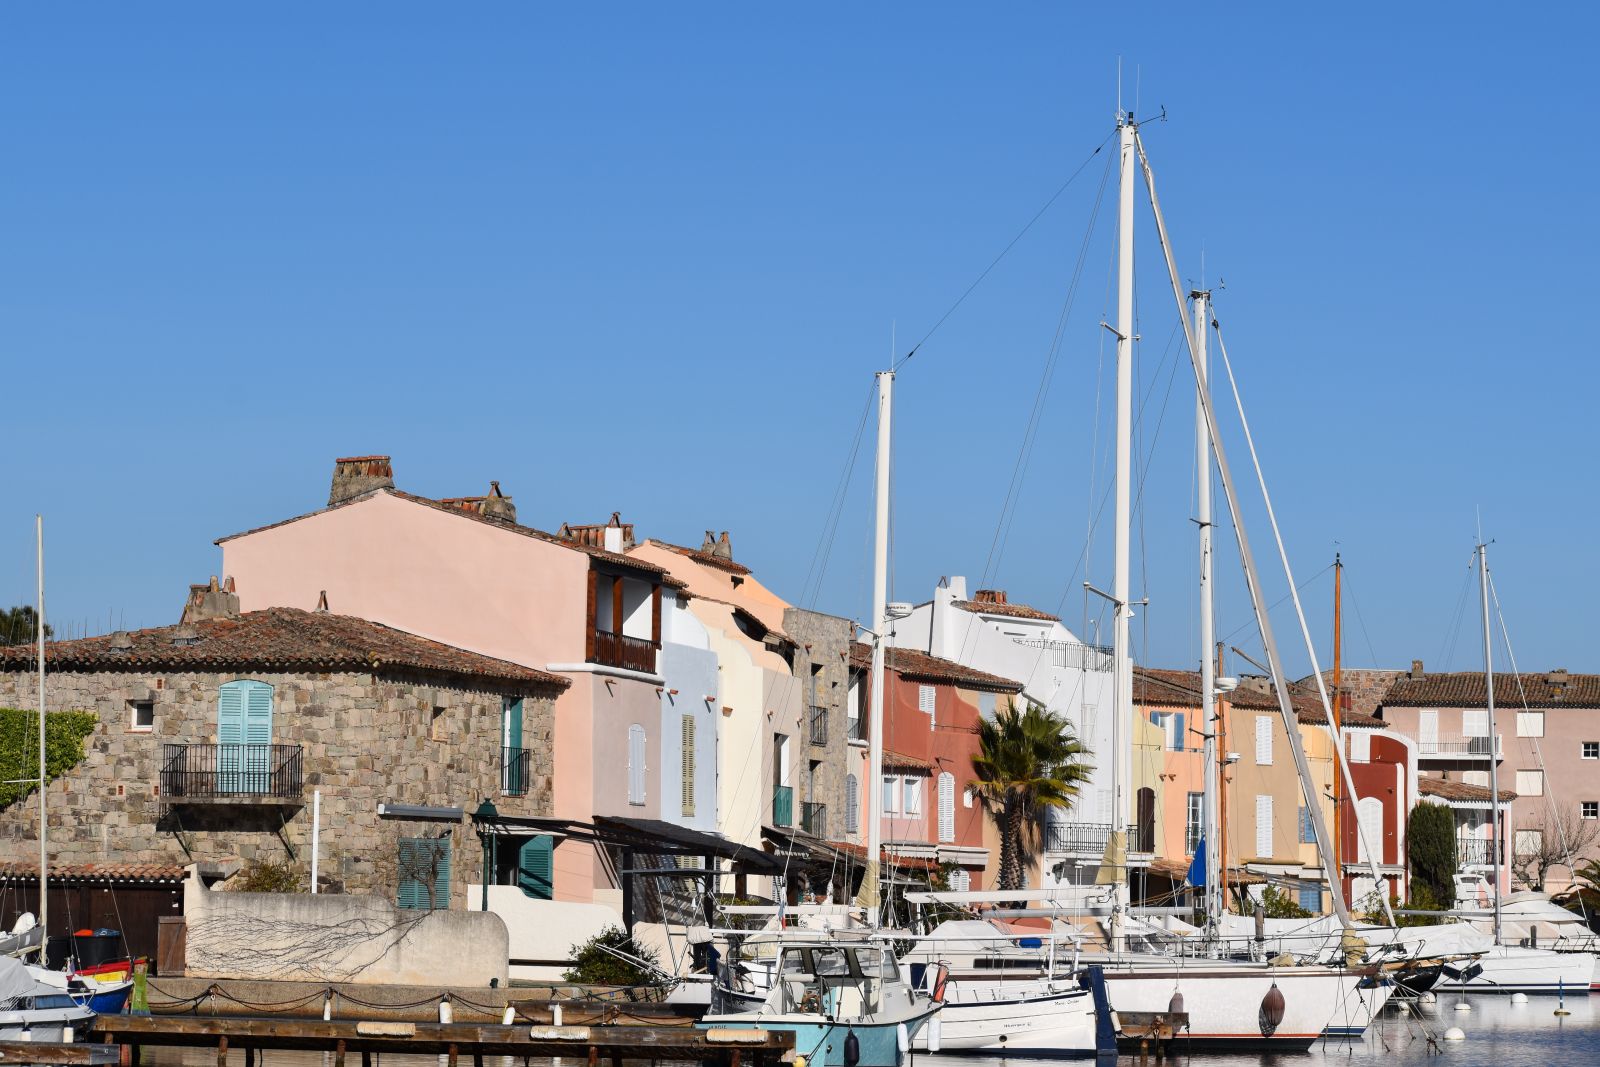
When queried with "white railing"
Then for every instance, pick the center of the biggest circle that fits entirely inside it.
(1070, 654)
(1461, 747)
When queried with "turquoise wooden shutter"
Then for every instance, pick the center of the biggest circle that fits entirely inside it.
(419, 859)
(441, 878)
(257, 737)
(511, 754)
(230, 737)
(535, 867)
(409, 893)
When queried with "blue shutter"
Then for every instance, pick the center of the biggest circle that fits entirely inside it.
(535, 867)
(1311, 897)
(230, 715)
(244, 737)
(418, 858)
(1308, 835)
(1178, 734)
(409, 891)
(441, 878)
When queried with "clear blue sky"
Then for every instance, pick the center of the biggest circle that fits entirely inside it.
(646, 258)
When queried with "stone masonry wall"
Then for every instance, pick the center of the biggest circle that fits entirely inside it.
(825, 643)
(366, 740)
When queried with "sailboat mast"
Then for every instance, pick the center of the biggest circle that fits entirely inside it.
(1334, 708)
(1208, 675)
(880, 635)
(44, 822)
(1494, 773)
(1122, 678)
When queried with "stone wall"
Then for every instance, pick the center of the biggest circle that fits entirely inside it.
(366, 740)
(825, 644)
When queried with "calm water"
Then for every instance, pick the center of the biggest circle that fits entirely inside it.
(1499, 1034)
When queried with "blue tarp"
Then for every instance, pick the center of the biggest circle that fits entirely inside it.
(1197, 866)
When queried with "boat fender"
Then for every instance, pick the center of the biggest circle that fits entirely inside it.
(1175, 1005)
(935, 1034)
(852, 1049)
(1271, 1015)
(902, 1038)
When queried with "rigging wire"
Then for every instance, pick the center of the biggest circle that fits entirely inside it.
(1005, 251)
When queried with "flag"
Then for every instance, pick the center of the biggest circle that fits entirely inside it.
(1197, 866)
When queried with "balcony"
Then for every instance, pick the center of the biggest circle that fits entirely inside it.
(1475, 851)
(814, 819)
(1453, 748)
(1070, 654)
(619, 650)
(232, 774)
(819, 725)
(855, 729)
(1089, 838)
(516, 771)
(783, 805)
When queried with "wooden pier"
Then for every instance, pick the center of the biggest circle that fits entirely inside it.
(58, 1054)
(595, 1045)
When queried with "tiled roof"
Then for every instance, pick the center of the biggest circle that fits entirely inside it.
(452, 507)
(1015, 611)
(1154, 685)
(1466, 690)
(920, 667)
(702, 557)
(899, 761)
(1438, 787)
(96, 872)
(277, 639)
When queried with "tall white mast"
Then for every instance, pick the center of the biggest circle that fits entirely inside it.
(880, 637)
(1208, 674)
(44, 822)
(1122, 676)
(1494, 774)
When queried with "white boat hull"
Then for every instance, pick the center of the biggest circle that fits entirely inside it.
(1512, 969)
(1033, 1019)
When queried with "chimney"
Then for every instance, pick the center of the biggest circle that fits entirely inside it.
(613, 534)
(1416, 669)
(723, 549)
(498, 506)
(354, 476)
(990, 596)
(1557, 678)
(709, 545)
(210, 601)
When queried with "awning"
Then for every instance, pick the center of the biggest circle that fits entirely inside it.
(665, 838)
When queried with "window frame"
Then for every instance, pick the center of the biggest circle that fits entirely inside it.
(134, 726)
(911, 791)
(1589, 809)
(1589, 750)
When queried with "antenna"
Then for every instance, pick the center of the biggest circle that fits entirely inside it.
(1119, 91)
(1138, 71)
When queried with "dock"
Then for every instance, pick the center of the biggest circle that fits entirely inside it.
(57, 1054)
(611, 1044)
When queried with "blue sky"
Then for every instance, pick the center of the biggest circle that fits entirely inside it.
(646, 258)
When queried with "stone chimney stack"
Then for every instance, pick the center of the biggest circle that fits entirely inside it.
(990, 596)
(356, 475)
(498, 506)
(709, 545)
(210, 601)
(1416, 668)
(723, 548)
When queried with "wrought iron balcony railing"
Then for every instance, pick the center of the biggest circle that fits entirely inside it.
(1472, 851)
(1089, 838)
(814, 819)
(516, 769)
(856, 728)
(819, 726)
(232, 772)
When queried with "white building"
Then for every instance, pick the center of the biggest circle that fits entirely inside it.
(1055, 669)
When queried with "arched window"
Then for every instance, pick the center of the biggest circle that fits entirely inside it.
(947, 806)
(636, 764)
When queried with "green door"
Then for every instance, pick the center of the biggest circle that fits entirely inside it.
(513, 763)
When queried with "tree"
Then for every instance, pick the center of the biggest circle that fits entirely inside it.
(1277, 904)
(1553, 839)
(266, 876)
(611, 957)
(1028, 762)
(1431, 849)
(17, 626)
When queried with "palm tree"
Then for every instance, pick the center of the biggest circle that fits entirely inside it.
(1028, 761)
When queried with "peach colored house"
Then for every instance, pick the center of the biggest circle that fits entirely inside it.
(463, 571)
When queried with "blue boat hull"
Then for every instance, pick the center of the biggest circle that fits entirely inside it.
(822, 1043)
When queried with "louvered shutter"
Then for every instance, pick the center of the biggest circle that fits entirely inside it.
(1263, 824)
(536, 866)
(1369, 815)
(925, 699)
(422, 861)
(1360, 746)
(852, 802)
(230, 714)
(1428, 730)
(441, 877)
(1264, 740)
(636, 764)
(1308, 834)
(688, 765)
(947, 806)
(409, 891)
(1475, 722)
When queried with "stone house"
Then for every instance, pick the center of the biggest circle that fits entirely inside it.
(214, 736)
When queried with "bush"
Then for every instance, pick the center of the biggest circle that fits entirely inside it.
(596, 961)
(1431, 850)
(64, 732)
(1280, 905)
(267, 876)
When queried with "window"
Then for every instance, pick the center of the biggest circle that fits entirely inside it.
(852, 803)
(913, 790)
(1590, 809)
(141, 716)
(1591, 750)
(1311, 899)
(1369, 820)
(1170, 723)
(947, 806)
(1476, 778)
(1263, 824)
(536, 866)
(1308, 829)
(1264, 742)
(986, 705)
(1194, 823)
(436, 725)
(688, 766)
(513, 757)
(1530, 842)
(1360, 746)
(1475, 722)
(244, 732)
(816, 684)
(960, 881)
(1530, 783)
(891, 795)
(1530, 724)
(423, 867)
(925, 698)
(636, 764)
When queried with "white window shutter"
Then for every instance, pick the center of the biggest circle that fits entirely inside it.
(1428, 730)
(636, 764)
(947, 806)
(688, 765)
(852, 802)
(1360, 746)
(1263, 824)
(1530, 783)
(1369, 814)
(1475, 722)
(1264, 741)
(925, 699)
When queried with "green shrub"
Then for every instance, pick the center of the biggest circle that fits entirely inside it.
(1280, 905)
(1431, 850)
(592, 964)
(267, 876)
(64, 732)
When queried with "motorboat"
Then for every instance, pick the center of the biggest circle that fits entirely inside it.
(31, 1010)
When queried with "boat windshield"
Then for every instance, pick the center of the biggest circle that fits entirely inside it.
(837, 981)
